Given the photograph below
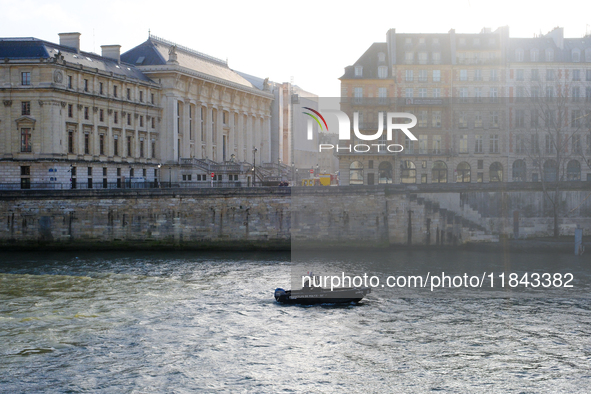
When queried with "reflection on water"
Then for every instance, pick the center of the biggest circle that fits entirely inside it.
(195, 322)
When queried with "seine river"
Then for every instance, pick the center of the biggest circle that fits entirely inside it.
(192, 322)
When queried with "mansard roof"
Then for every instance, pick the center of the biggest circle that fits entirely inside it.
(155, 52)
(30, 48)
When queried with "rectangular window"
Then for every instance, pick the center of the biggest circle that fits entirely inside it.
(436, 144)
(70, 86)
(477, 119)
(535, 74)
(436, 92)
(409, 145)
(141, 121)
(464, 143)
(576, 118)
(26, 140)
(423, 76)
(102, 144)
(153, 123)
(26, 181)
(494, 94)
(26, 108)
(549, 75)
(478, 94)
(436, 75)
(114, 90)
(25, 78)
(129, 94)
(534, 116)
(86, 113)
(520, 118)
(86, 144)
(463, 75)
(129, 146)
(423, 144)
(153, 149)
(519, 144)
(152, 98)
(86, 85)
(101, 91)
(422, 119)
(409, 93)
(436, 57)
(494, 143)
(478, 75)
(463, 95)
(70, 141)
(115, 146)
(576, 75)
(494, 75)
(358, 92)
(115, 117)
(423, 92)
(129, 119)
(101, 115)
(462, 120)
(576, 93)
(494, 119)
(520, 76)
(141, 148)
(383, 95)
(70, 111)
(478, 143)
(141, 96)
(436, 118)
(409, 76)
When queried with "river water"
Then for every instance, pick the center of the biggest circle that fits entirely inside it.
(207, 322)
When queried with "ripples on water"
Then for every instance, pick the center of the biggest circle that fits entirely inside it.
(194, 322)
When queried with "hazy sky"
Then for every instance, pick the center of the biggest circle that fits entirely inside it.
(311, 41)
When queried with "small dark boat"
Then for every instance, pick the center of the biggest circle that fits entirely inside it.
(318, 295)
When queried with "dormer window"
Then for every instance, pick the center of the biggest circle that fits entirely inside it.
(549, 55)
(435, 41)
(576, 54)
(381, 57)
(382, 72)
(476, 41)
(534, 55)
(358, 71)
(421, 41)
(519, 55)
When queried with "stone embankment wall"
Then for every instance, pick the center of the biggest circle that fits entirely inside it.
(278, 217)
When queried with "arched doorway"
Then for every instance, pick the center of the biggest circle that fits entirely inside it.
(356, 173)
(463, 173)
(519, 171)
(408, 172)
(439, 172)
(496, 172)
(385, 172)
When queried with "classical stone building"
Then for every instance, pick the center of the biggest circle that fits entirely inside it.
(158, 115)
(214, 118)
(475, 97)
(75, 119)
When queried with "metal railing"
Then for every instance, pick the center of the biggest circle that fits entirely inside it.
(119, 185)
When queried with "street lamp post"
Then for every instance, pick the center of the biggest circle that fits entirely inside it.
(159, 176)
(169, 177)
(254, 165)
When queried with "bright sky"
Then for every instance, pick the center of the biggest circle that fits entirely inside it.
(311, 41)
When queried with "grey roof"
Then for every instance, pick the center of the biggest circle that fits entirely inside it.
(33, 48)
(370, 63)
(154, 52)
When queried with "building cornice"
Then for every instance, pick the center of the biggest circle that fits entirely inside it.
(196, 74)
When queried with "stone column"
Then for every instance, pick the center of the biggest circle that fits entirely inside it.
(249, 138)
(220, 135)
(208, 133)
(239, 130)
(232, 135)
(267, 137)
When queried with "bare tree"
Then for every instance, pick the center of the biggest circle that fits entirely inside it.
(554, 138)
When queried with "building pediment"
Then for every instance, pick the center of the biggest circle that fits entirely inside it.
(25, 121)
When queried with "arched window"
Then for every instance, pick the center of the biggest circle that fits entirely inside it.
(408, 172)
(385, 173)
(356, 173)
(573, 170)
(496, 172)
(519, 173)
(550, 171)
(439, 172)
(463, 173)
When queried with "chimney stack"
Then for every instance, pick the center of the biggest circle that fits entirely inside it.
(112, 52)
(71, 40)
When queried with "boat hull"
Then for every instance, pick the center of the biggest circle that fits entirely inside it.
(314, 296)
